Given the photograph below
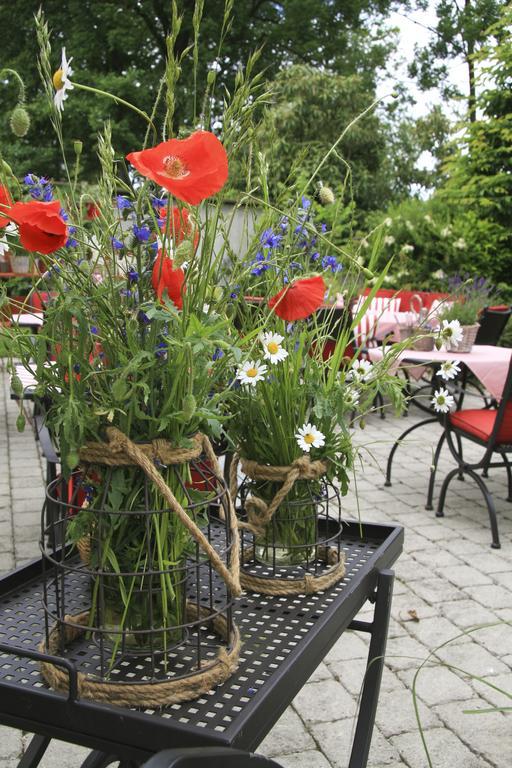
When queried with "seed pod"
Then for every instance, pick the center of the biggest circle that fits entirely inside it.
(189, 406)
(20, 121)
(326, 195)
(20, 422)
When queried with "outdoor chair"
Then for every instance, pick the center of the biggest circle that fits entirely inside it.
(492, 430)
(492, 324)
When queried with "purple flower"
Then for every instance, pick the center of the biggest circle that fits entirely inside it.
(143, 318)
(158, 202)
(123, 202)
(71, 242)
(133, 276)
(270, 240)
(218, 354)
(117, 244)
(331, 262)
(141, 233)
(305, 203)
(40, 187)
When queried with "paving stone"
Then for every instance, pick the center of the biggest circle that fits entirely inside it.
(492, 596)
(472, 659)
(433, 558)
(445, 750)
(486, 734)
(350, 646)
(463, 575)
(435, 684)
(288, 735)
(488, 690)
(395, 713)
(60, 754)
(435, 631)
(405, 652)
(324, 702)
(436, 590)
(10, 743)
(335, 741)
(312, 758)
(467, 613)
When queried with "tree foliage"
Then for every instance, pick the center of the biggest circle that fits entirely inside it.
(121, 47)
(462, 29)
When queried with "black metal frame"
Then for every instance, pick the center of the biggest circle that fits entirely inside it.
(453, 434)
(313, 624)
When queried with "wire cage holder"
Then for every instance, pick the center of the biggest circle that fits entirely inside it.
(291, 523)
(138, 595)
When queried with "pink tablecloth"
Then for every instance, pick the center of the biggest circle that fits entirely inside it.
(489, 364)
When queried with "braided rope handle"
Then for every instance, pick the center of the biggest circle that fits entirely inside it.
(118, 441)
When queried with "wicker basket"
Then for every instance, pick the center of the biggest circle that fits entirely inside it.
(423, 343)
(469, 333)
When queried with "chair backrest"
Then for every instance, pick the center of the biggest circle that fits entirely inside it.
(492, 324)
(502, 430)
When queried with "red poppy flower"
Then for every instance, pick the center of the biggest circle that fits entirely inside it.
(181, 226)
(5, 202)
(92, 211)
(167, 279)
(299, 299)
(41, 225)
(191, 169)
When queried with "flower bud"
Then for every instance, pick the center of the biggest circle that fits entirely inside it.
(77, 146)
(20, 422)
(367, 273)
(326, 195)
(20, 121)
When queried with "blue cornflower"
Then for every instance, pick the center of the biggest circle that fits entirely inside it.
(161, 349)
(315, 256)
(305, 203)
(71, 242)
(143, 318)
(323, 227)
(126, 292)
(233, 295)
(158, 202)
(295, 265)
(154, 245)
(133, 275)
(260, 269)
(40, 187)
(123, 202)
(284, 223)
(269, 239)
(217, 354)
(63, 214)
(117, 244)
(331, 262)
(141, 233)
(94, 330)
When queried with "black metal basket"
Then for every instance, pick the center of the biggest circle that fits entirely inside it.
(153, 617)
(300, 548)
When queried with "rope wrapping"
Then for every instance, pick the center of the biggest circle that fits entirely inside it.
(260, 514)
(121, 451)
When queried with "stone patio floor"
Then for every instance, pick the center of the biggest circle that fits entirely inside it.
(447, 580)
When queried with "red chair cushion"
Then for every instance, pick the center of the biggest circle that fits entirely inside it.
(427, 297)
(480, 422)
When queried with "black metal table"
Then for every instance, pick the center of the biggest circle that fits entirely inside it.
(284, 640)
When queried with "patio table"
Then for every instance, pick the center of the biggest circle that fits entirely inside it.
(284, 640)
(489, 364)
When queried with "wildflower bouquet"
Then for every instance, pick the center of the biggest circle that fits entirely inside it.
(136, 350)
(299, 384)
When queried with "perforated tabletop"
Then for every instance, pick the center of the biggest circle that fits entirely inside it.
(284, 639)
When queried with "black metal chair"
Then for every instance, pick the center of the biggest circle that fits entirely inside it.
(492, 324)
(492, 430)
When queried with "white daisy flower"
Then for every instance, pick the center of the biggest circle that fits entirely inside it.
(449, 369)
(442, 401)
(389, 240)
(61, 81)
(309, 437)
(351, 397)
(272, 346)
(4, 246)
(361, 370)
(251, 372)
(388, 222)
(451, 332)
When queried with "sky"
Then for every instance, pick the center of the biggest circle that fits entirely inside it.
(413, 26)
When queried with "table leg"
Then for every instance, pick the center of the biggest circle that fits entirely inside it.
(34, 752)
(398, 442)
(371, 686)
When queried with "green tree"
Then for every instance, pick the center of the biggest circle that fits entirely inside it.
(479, 184)
(121, 46)
(462, 29)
